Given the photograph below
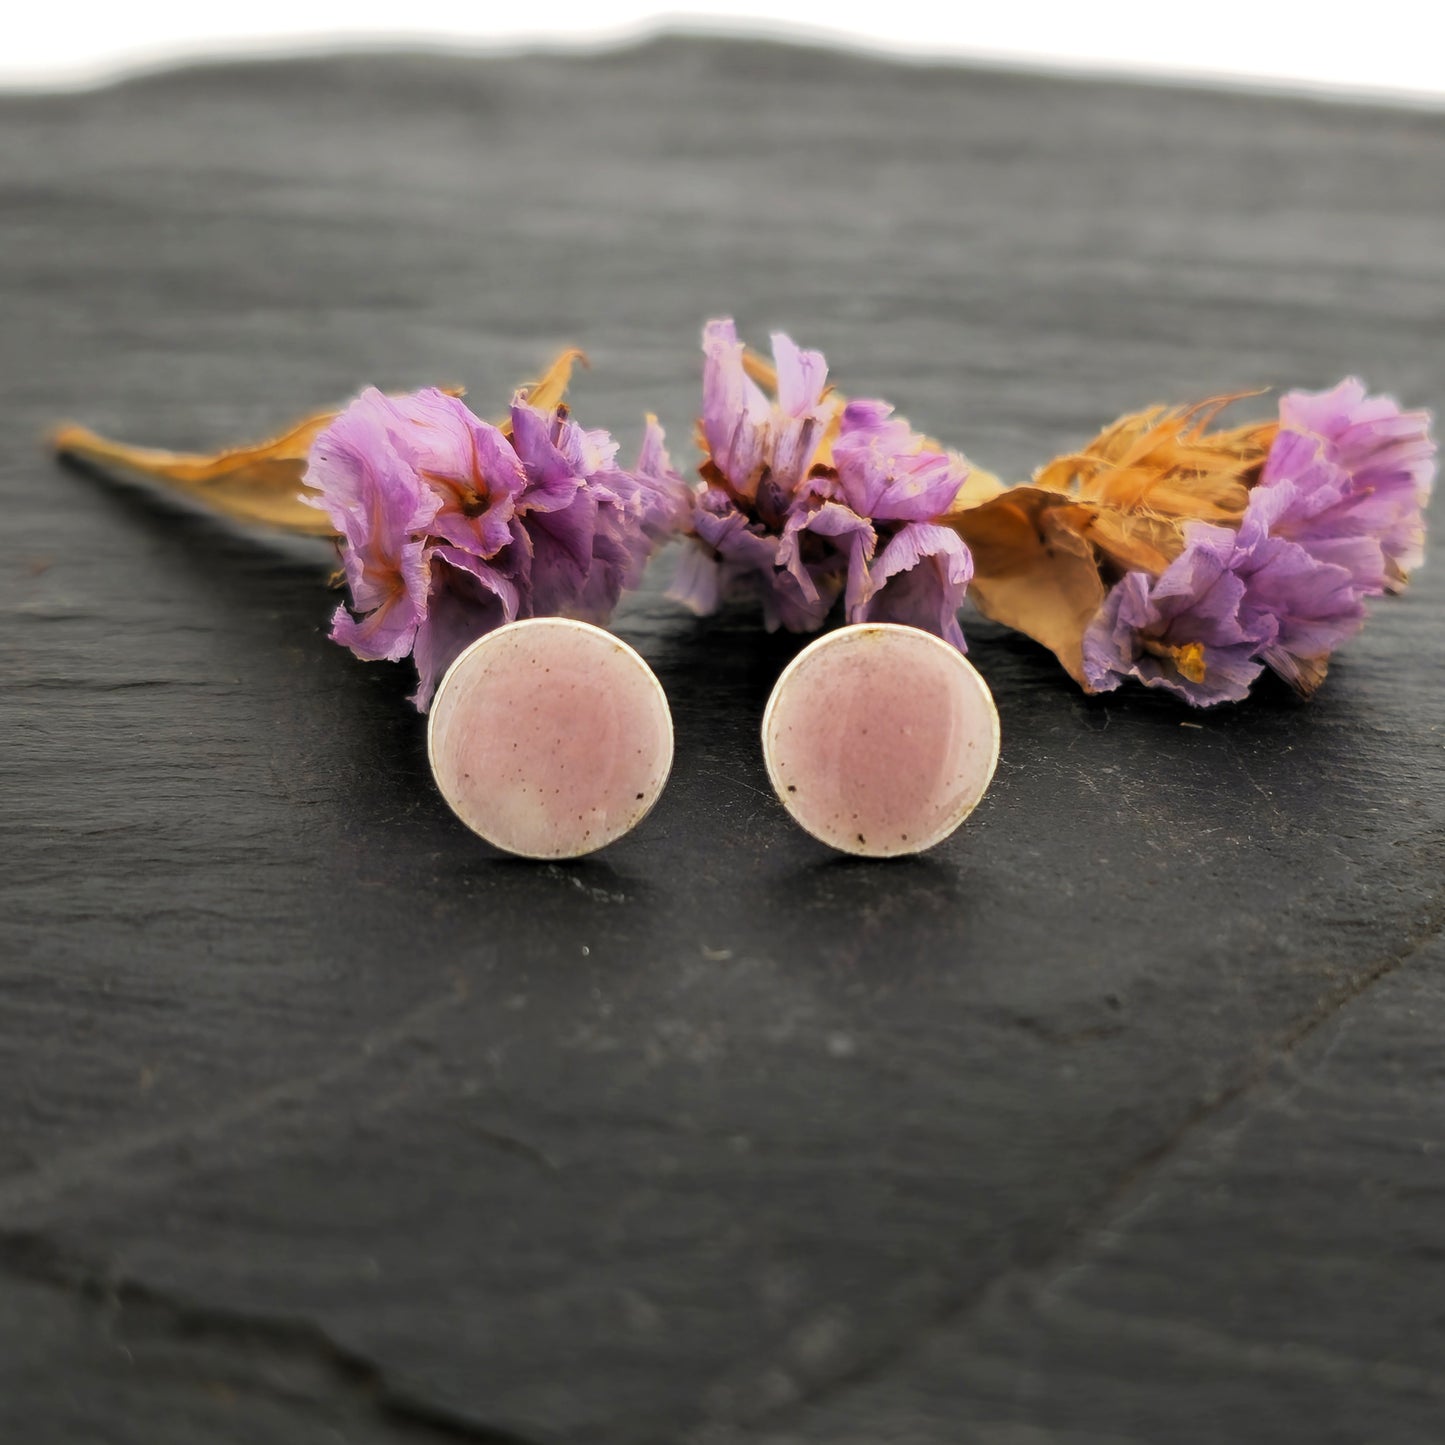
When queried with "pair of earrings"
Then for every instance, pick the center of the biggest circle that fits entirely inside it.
(551, 738)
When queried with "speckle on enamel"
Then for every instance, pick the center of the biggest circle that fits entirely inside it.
(880, 739)
(550, 738)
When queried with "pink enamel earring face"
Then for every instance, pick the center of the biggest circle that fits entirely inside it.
(550, 738)
(880, 739)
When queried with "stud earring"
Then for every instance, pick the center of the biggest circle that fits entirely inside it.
(880, 739)
(550, 738)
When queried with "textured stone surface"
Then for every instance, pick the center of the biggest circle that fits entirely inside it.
(1117, 1118)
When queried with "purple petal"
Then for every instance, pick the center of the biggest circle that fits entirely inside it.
(749, 567)
(1360, 469)
(854, 537)
(392, 602)
(552, 478)
(664, 498)
(382, 635)
(888, 472)
(1188, 630)
(789, 556)
(920, 578)
(1311, 605)
(735, 412)
(801, 417)
(466, 462)
(370, 492)
(697, 583)
(468, 598)
(1111, 641)
(382, 511)
(561, 554)
(619, 555)
(802, 376)
(588, 451)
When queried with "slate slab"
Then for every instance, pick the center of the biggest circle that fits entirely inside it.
(1115, 1119)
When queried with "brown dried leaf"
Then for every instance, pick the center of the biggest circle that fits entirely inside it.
(760, 369)
(1165, 463)
(262, 483)
(1034, 569)
(1131, 542)
(978, 487)
(548, 391)
(1303, 674)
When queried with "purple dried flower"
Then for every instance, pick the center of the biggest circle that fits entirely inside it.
(468, 597)
(1310, 605)
(760, 451)
(1335, 518)
(467, 463)
(1184, 630)
(739, 556)
(889, 473)
(382, 511)
(1229, 604)
(451, 526)
(805, 500)
(920, 578)
(1358, 472)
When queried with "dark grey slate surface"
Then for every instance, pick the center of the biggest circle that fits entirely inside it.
(1116, 1119)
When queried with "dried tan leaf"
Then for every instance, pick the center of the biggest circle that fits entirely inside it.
(1164, 462)
(1303, 674)
(1033, 569)
(261, 483)
(549, 390)
(978, 487)
(760, 369)
(1131, 542)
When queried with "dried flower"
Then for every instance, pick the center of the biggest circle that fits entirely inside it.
(1047, 552)
(383, 511)
(902, 483)
(1358, 472)
(759, 451)
(1310, 605)
(1169, 549)
(1191, 558)
(451, 525)
(806, 499)
(1230, 603)
(1185, 630)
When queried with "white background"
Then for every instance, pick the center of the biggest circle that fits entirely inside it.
(1392, 47)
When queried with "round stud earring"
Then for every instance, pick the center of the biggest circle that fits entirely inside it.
(550, 738)
(880, 739)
